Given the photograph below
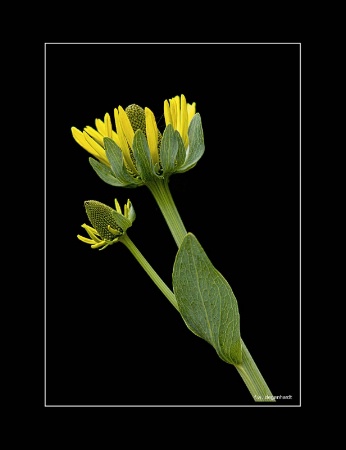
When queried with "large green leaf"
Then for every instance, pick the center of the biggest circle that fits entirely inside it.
(206, 300)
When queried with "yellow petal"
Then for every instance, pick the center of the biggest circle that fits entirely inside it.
(99, 151)
(84, 239)
(175, 109)
(123, 143)
(191, 111)
(98, 137)
(172, 109)
(127, 207)
(182, 101)
(80, 139)
(108, 125)
(179, 113)
(85, 141)
(99, 244)
(152, 134)
(101, 128)
(117, 206)
(91, 232)
(183, 120)
(126, 126)
(89, 228)
(116, 118)
(114, 231)
(167, 113)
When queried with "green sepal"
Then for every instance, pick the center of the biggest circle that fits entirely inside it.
(116, 160)
(206, 300)
(172, 151)
(121, 221)
(196, 144)
(105, 173)
(141, 152)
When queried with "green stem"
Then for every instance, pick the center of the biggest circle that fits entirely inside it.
(253, 379)
(164, 199)
(149, 270)
(248, 370)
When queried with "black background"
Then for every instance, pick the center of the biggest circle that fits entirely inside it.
(111, 337)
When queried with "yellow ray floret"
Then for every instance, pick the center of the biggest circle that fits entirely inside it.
(121, 123)
(152, 134)
(90, 145)
(94, 240)
(101, 128)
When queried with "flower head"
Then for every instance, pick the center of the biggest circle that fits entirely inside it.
(109, 224)
(136, 152)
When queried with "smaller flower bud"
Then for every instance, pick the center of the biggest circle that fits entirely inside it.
(101, 217)
(109, 224)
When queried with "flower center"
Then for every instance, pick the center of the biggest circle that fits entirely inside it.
(136, 117)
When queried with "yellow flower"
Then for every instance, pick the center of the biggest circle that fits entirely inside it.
(135, 152)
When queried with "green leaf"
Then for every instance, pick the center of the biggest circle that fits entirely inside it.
(196, 144)
(105, 173)
(206, 300)
(144, 162)
(115, 157)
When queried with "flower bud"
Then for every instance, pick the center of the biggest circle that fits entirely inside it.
(109, 224)
(101, 216)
